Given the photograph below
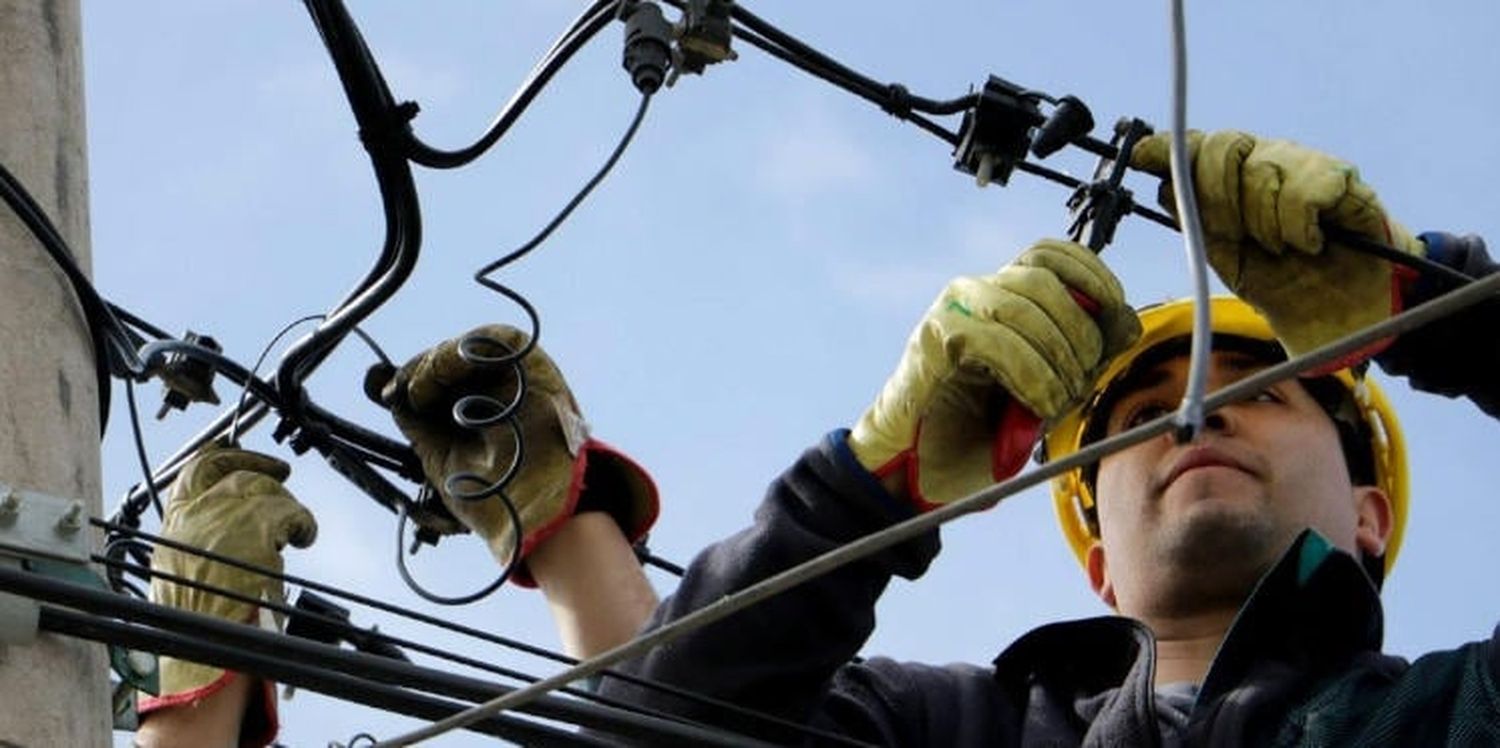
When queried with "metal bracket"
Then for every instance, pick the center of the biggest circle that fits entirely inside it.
(36, 525)
(1098, 206)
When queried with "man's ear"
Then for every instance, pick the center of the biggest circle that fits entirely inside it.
(1098, 570)
(1376, 520)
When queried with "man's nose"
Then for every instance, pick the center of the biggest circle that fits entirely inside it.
(1219, 420)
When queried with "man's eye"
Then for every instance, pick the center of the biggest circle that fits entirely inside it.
(1265, 396)
(1144, 413)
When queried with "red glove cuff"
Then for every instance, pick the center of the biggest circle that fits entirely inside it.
(635, 508)
(1015, 437)
(258, 727)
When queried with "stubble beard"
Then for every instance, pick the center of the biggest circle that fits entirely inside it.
(1213, 559)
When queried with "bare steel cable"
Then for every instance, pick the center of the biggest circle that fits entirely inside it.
(1415, 317)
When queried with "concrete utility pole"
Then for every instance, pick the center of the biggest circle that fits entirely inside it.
(53, 692)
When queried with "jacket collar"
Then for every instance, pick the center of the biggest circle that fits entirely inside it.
(1315, 609)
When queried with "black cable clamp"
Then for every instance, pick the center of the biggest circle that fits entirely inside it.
(996, 133)
(897, 101)
(186, 379)
(704, 35)
(392, 134)
(309, 622)
(1097, 206)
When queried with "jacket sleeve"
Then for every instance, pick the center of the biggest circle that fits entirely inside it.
(1457, 356)
(783, 655)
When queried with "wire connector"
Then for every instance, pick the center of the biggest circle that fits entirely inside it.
(1069, 120)
(312, 622)
(648, 46)
(703, 37)
(996, 133)
(186, 379)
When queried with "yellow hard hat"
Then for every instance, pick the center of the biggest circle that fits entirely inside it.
(1073, 497)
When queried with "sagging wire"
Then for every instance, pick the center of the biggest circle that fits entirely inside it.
(481, 593)
(234, 424)
(471, 347)
(118, 549)
(114, 350)
(1189, 416)
(140, 449)
(583, 29)
(1442, 306)
(784, 726)
(474, 412)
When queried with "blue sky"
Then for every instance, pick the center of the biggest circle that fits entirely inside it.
(745, 280)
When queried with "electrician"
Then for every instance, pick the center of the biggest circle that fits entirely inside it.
(1242, 566)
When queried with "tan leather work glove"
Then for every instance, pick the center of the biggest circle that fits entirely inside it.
(1265, 204)
(563, 470)
(994, 357)
(230, 502)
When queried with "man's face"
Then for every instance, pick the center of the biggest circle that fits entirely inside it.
(1193, 526)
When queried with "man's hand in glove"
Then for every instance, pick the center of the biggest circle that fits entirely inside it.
(1266, 207)
(994, 357)
(562, 470)
(230, 502)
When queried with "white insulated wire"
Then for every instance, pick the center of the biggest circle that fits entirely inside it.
(1189, 416)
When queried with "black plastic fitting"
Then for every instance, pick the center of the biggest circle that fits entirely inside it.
(648, 47)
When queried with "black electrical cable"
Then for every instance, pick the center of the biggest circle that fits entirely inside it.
(259, 647)
(482, 411)
(130, 319)
(245, 390)
(105, 331)
(1418, 263)
(780, 53)
(584, 28)
(481, 278)
(852, 80)
(480, 594)
(117, 549)
(140, 447)
(369, 445)
(478, 634)
(381, 124)
(239, 405)
(645, 556)
(341, 684)
(350, 632)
